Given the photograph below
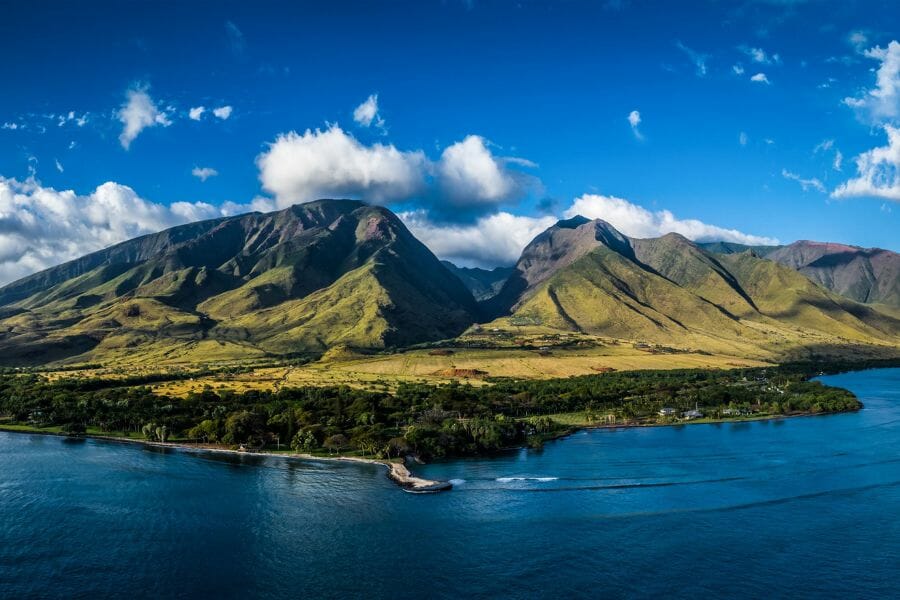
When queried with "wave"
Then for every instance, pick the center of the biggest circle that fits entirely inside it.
(619, 486)
(540, 479)
(457, 481)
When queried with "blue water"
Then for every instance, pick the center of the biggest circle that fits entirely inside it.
(803, 507)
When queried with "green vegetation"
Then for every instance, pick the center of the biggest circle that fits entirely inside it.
(294, 282)
(426, 420)
(585, 277)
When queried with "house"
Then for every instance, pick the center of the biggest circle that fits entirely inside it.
(692, 414)
(732, 412)
(667, 412)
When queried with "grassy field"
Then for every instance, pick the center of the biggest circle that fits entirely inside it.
(384, 372)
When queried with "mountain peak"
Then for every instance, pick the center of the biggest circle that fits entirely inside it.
(296, 280)
(572, 223)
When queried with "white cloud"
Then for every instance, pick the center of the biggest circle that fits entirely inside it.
(469, 174)
(878, 171)
(882, 103)
(760, 78)
(137, 113)
(366, 114)
(12, 126)
(742, 139)
(258, 204)
(59, 166)
(70, 117)
(697, 58)
(196, 112)
(223, 112)
(634, 119)
(638, 222)
(858, 39)
(203, 173)
(41, 227)
(332, 163)
(806, 184)
(758, 55)
(738, 69)
(823, 146)
(496, 239)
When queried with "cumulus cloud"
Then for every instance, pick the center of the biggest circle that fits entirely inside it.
(634, 119)
(41, 226)
(760, 78)
(698, 59)
(878, 171)
(332, 163)
(366, 114)
(493, 240)
(137, 113)
(196, 113)
(636, 221)
(806, 184)
(881, 103)
(469, 174)
(203, 173)
(223, 112)
(498, 239)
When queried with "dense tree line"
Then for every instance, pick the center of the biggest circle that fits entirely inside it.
(427, 420)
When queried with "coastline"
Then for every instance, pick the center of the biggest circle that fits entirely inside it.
(397, 472)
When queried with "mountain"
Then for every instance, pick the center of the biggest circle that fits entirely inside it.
(484, 284)
(585, 276)
(867, 275)
(339, 273)
(301, 280)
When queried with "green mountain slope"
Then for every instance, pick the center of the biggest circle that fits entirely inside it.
(867, 275)
(295, 281)
(585, 276)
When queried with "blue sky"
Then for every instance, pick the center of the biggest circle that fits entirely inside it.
(487, 120)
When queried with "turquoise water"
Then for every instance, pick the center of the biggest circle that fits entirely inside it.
(801, 507)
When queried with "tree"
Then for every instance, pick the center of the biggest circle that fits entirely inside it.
(334, 443)
(207, 430)
(304, 441)
(74, 428)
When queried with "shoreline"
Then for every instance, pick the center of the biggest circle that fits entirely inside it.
(397, 472)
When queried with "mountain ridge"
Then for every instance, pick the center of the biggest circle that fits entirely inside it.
(340, 273)
(189, 284)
